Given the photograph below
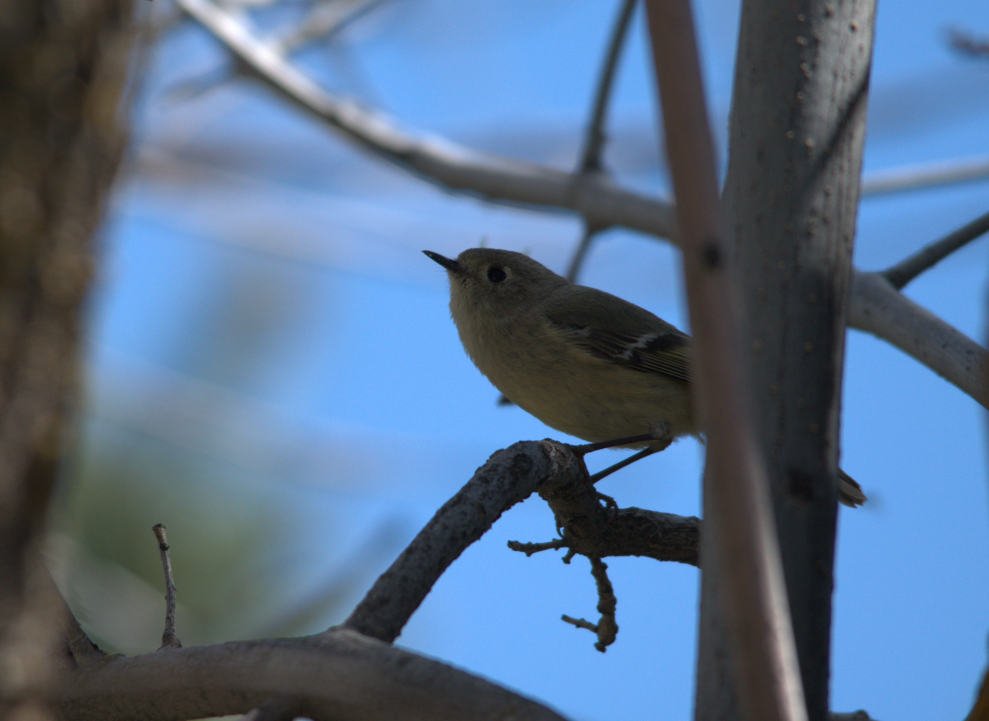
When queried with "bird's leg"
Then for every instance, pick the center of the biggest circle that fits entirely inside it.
(622, 463)
(600, 446)
(659, 434)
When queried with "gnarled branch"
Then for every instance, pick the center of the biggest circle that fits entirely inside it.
(508, 477)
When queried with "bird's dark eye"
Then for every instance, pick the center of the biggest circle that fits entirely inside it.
(496, 274)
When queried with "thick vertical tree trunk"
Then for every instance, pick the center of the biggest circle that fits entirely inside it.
(62, 66)
(791, 196)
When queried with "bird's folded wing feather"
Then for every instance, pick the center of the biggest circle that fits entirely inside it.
(636, 338)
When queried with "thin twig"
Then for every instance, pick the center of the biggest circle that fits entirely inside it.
(579, 623)
(968, 44)
(909, 268)
(530, 548)
(606, 629)
(581, 252)
(168, 638)
(590, 157)
(607, 605)
(594, 141)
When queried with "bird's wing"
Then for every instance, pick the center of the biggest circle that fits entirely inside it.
(638, 339)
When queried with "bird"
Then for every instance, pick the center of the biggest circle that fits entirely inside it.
(583, 361)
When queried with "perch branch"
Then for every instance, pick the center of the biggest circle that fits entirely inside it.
(592, 530)
(509, 476)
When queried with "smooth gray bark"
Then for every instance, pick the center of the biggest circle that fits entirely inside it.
(797, 129)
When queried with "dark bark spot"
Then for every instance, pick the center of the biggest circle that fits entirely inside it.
(711, 255)
(800, 485)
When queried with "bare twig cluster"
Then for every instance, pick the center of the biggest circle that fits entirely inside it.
(588, 191)
(560, 477)
(598, 531)
(321, 670)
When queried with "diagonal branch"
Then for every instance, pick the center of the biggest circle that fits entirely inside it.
(877, 307)
(509, 476)
(741, 552)
(590, 157)
(599, 201)
(912, 266)
(169, 639)
(594, 141)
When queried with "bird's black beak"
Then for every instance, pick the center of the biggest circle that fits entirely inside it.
(451, 265)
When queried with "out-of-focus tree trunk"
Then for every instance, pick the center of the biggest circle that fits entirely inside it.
(797, 130)
(63, 65)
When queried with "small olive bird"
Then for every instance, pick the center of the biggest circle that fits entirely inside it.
(582, 361)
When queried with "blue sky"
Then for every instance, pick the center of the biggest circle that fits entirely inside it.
(264, 311)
